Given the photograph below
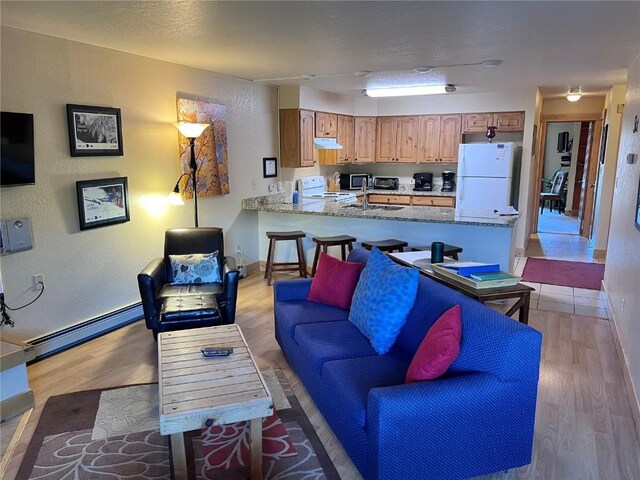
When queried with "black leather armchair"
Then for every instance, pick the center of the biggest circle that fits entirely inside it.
(155, 280)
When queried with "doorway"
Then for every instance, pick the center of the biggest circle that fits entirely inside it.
(567, 143)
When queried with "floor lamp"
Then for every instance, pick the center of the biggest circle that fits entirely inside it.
(191, 131)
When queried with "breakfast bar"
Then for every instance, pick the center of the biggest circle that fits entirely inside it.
(485, 238)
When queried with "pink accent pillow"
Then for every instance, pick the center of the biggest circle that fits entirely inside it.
(439, 348)
(334, 282)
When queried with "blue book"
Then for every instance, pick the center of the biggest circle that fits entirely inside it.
(467, 270)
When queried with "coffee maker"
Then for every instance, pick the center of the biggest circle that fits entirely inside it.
(423, 182)
(448, 182)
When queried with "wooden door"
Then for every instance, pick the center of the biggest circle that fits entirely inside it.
(345, 138)
(386, 139)
(428, 138)
(306, 138)
(407, 139)
(450, 138)
(364, 139)
(590, 180)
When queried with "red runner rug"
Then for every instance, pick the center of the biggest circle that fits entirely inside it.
(568, 274)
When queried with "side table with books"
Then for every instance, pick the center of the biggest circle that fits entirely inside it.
(482, 290)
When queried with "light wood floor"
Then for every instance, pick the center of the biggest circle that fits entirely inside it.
(584, 427)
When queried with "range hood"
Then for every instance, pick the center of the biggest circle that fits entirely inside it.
(326, 144)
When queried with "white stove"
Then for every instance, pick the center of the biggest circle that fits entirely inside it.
(314, 187)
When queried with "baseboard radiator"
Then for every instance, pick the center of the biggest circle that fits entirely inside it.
(44, 346)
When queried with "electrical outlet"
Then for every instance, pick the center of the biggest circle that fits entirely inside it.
(253, 184)
(237, 248)
(271, 187)
(37, 280)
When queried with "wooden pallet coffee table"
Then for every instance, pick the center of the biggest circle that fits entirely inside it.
(197, 392)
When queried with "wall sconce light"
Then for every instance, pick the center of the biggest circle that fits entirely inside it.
(407, 91)
(191, 131)
(574, 94)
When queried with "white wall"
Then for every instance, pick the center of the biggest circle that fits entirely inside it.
(607, 170)
(622, 271)
(91, 273)
(561, 106)
(552, 158)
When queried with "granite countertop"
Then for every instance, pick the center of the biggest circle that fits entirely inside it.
(275, 203)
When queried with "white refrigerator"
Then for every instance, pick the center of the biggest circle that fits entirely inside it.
(484, 182)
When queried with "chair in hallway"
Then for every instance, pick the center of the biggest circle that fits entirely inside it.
(556, 195)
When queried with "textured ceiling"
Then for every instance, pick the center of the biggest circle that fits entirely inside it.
(551, 45)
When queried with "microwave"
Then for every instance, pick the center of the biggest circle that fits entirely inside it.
(353, 181)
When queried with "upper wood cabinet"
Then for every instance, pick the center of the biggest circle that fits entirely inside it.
(326, 125)
(504, 121)
(438, 138)
(397, 139)
(297, 128)
(344, 136)
(364, 140)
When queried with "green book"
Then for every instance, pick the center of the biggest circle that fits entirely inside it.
(490, 276)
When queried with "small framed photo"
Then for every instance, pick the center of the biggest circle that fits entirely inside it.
(94, 131)
(269, 167)
(102, 202)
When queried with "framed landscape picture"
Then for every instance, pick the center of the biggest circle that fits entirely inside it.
(94, 131)
(102, 202)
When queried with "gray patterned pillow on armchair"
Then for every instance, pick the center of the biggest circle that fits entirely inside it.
(195, 268)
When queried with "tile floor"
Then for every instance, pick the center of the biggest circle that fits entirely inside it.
(579, 301)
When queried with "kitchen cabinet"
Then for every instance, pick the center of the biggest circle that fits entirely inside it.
(504, 121)
(390, 199)
(344, 137)
(364, 139)
(297, 128)
(397, 139)
(326, 125)
(423, 200)
(438, 138)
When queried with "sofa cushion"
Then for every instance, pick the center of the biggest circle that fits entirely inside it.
(384, 295)
(298, 312)
(438, 350)
(195, 268)
(351, 379)
(334, 281)
(322, 342)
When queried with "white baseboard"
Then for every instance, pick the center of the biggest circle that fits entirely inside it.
(53, 342)
(634, 401)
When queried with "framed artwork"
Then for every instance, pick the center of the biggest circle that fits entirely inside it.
(94, 131)
(638, 208)
(269, 167)
(102, 202)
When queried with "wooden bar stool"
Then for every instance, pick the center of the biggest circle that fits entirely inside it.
(300, 265)
(389, 245)
(343, 241)
(449, 250)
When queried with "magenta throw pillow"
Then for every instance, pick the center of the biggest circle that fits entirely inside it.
(334, 282)
(438, 350)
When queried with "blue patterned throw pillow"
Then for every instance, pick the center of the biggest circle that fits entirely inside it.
(195, 268)
(383, 298)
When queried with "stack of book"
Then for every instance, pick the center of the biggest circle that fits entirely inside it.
(476, 275)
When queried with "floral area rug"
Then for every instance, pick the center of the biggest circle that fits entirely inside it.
(114, 434)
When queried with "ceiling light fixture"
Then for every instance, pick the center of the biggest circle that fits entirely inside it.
(362, 73)
(423, 69)
(574, 94)
(408, 91)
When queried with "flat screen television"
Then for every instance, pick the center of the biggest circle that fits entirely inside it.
(17, 157)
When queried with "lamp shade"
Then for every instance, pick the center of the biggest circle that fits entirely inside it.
(191, 130)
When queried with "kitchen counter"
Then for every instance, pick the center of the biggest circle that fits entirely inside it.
(490, 240)
(425, 214)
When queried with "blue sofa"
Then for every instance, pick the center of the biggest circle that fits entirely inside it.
(476, 419)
